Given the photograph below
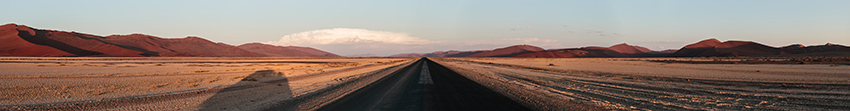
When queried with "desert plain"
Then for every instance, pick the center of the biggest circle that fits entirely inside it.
(167, 83)
(298, 83)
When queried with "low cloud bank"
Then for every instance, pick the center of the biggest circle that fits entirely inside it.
(361, 42)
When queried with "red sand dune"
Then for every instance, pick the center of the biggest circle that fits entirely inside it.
(64, 41)
(704, 43)
(713, 47)
(432, 54)
(288, 51)
(708, 47)
(89, 43)
(744, 48)
(20, 40)
(500, 52)
(153, 46)
(556, 54)
(619, 50)
(507, 51)
(799, 48)
(199, 47)
(817, 50)
(13, 45)
(629, 49)
(696, 48)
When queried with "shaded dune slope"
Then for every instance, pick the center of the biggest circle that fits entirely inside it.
(20, 40)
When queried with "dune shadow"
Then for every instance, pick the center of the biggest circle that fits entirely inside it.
(41, 38)
(261, 87)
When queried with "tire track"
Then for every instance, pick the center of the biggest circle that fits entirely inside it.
(626, 92)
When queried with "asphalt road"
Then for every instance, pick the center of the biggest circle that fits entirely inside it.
(428, 86)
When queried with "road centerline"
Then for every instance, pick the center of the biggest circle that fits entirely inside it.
(425, 75)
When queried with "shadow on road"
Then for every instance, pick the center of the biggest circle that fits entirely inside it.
(249, 92)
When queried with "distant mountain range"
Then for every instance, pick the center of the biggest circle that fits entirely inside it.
(20, 40)
(619, 50)
(713, 47)
(705, 48)
(287, 51)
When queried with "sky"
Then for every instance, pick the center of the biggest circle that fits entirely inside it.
(385, 27)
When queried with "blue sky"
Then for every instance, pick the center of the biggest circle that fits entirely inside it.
(449, 24)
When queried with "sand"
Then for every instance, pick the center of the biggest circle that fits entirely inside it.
(635, 84)
(209, 83)
(27, 82)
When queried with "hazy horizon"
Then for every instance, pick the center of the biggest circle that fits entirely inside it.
(391, 27)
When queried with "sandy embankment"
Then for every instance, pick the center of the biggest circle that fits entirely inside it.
(628, 84)
(168, 83)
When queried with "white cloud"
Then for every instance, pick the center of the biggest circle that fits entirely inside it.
(347, 36)
(347, 42)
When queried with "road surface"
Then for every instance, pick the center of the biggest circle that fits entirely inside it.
(428, 86)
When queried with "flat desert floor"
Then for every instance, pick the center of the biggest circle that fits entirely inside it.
(172, 83)
(637, 84)
(210, 83)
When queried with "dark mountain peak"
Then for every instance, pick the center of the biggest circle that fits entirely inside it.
(729, 44)
(794, 46)
(669, 51)
(826, 49)
(828, 45)
(831, 44)
(453, 51)
(728, 48)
